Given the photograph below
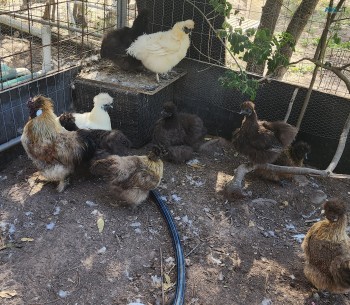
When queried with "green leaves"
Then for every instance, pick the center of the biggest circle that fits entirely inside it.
(255, 46)
(240, 82)
(222, 7)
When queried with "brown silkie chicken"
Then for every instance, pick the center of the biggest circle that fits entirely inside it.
(180, 133)
(327, 250)
(293, 155)
(261, 141)
(131, 177)
(54, 150)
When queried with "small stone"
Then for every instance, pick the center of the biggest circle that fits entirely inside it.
(220, 276)
(102, 250)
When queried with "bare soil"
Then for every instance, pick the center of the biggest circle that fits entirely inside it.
(237, 251)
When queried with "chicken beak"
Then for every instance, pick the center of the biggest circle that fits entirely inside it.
(245, 112)
(187, 30)
(107, 106)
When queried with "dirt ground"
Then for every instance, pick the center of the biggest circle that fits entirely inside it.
(237, 251)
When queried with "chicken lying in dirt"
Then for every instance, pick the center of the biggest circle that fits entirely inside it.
(293, 155)
(54, 150)
(327, 250)
(181, 133)
(261, 141)
(98, 118)
(160, 52)
(132, 177)
(115, 42)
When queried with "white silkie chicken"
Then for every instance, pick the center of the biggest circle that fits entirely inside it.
(160, 52)
(98, 118)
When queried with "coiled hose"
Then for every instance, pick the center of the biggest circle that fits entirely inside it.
(179, 254)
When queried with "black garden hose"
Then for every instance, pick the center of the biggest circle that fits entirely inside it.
(179, 254)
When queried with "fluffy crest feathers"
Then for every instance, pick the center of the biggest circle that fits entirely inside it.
(334, 209)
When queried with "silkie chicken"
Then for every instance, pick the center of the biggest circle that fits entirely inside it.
(327, 250)
(261, 141)
(115, 42)
(160, 52)
(98, 118)
(131, 177)
(293, 155)
(54, 150)
(180, 133)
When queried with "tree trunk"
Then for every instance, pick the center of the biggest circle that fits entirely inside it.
(295, 28)
(319, 56)
(268, 20)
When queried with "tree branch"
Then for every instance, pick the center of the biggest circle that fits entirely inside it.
(234, 187)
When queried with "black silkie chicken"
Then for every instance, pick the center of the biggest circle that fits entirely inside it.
(261, 141)
(180, 133)
(115, 42)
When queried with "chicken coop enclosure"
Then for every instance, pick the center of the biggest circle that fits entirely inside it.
(44, 43)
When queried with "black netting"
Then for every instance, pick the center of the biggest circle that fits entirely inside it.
(13, 102)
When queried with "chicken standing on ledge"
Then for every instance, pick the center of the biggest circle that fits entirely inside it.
(131, 177)
(98, 118)
(56, 151)
(261, 141)
(293, 155)
(180, 133)
(115, 42)
(160, 52)
(327, 250)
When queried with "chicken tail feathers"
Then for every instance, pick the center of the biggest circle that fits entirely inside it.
(101, 164)
(284, 132)
(67, 120)
(141, 24)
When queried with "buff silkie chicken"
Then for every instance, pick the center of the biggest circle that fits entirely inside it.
(327, 250)
(97, 118)
(54, 150)
(160, 52)
(261, 141)
(132, 177)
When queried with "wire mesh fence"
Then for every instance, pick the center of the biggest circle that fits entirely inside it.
(39, 37)
(249, 14)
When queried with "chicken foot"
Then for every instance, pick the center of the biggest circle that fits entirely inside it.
(62, 185)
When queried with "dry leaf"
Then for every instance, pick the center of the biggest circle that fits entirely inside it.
(251, 223)
(7, 294)
(168, 284)
(27, 239)
(100, 224)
